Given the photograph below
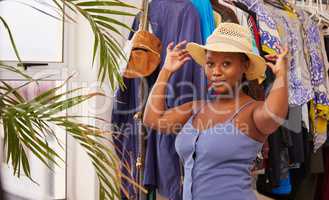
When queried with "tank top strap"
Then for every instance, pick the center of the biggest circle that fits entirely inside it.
(240, 109)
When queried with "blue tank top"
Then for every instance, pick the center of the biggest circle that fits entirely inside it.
(217, 161)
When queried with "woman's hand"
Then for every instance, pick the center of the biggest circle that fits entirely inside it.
(280, 67)
(176, 56)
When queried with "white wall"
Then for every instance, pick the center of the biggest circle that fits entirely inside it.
(82, 182)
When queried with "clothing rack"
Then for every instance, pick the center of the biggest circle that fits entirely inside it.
(140, 161)
(317, 9)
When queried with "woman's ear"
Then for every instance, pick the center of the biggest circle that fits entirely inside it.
(246, 66)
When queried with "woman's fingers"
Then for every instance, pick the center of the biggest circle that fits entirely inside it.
(183, 56)
(182, 52)
(180, 45)
(285, 51)
(272, 57)
(280, 49)
(271, 65)
(187, 58)
(170, 46)
(275, 57)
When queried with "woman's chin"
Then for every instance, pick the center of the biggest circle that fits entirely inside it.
(220, 90)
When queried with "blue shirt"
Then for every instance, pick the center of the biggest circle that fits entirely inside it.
(206, 17)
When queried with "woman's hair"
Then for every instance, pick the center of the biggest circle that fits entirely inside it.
(245, 58)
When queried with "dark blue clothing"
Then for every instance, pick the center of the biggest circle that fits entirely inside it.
(171, 20)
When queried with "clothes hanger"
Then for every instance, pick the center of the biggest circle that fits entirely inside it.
(253, 4)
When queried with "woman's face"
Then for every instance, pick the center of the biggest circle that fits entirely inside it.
(225, 70)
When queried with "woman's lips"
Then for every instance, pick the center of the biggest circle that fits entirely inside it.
(218, 83)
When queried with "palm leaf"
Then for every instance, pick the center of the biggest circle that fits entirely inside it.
(11, 37)
(26, 127)
(27, 124)
(100, 15)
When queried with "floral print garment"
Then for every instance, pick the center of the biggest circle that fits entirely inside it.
(312, 42)
(270, 38)
(290, 31)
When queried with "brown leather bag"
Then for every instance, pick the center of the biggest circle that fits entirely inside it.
(146, 49)
(145, 55)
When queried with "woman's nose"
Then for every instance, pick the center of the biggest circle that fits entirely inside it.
(217, 71)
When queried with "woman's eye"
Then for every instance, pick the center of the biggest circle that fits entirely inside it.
(226, 64)
(210, 65)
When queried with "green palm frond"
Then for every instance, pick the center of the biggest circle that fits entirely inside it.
(3, 21)
(29, 124)
(100, 17)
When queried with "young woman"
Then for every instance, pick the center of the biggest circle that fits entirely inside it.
(218, 139)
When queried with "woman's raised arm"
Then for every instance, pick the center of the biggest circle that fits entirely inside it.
(155, 115)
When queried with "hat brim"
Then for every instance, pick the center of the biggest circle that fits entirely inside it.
(257, 64)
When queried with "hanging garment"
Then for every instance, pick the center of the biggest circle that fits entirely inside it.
(319, 108)
(289, 28)
(227, 14)
(325, 61)
(206, 17)
(318, 125)
(305, 117)
(326, 41)
(307, 187)
(278, 157)
(217, 161)
(161, 160)
(303, 178)
(218, 18)
(243, 19)
(286, 146)
(252, 23)
(323, 180)
(295, 128)
(270, 38)
(284, 187)
(125, 129)
(312, 40)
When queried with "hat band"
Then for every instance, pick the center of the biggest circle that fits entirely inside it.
(240, 45)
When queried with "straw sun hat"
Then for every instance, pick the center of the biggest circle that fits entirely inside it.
(230, 37)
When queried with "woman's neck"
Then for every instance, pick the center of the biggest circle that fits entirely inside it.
(224, 98)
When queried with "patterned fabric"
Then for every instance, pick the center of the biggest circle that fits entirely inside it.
(289, 28)
(326, 62)
(318, 125)
(320, 105)
(270, 38)
(313, 44)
